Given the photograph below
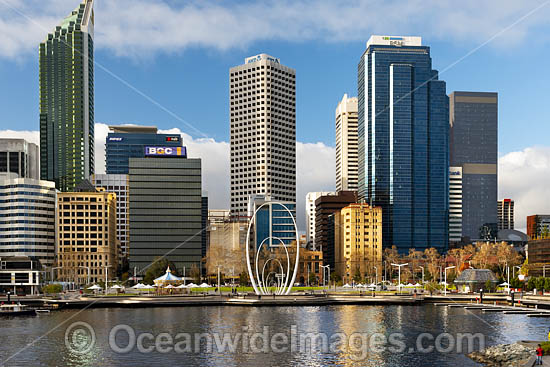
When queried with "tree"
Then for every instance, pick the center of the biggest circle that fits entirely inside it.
(539, 283)
(158, 268)
(432, 261)
(485, 253)
(531, 283)
(357, 275)
(243, 278)
(489, 286)
(506, 257)
(391, 256)
(195, 273)
(312, 279)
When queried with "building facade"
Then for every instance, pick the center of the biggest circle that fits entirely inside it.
(325, 207)
(311, 197)
(87, 246)
(403, 147)
(19, 275)
(165, 211)
(346, 144)
(226, 244)
(358, 241)
(129, 141)
(455, 204)
(505, 209)
(274, 223)
(538, 226)
(20, 157)
(27, 223)
(119, 185)
(262, 131)
(474, 147)
(66, 78)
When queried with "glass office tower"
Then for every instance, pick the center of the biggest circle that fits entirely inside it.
(67, 100)
(474, 147)
(403, 130)
(129, 141)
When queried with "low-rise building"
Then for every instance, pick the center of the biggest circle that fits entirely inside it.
(87, 246)
(358, 241)
(19, 275)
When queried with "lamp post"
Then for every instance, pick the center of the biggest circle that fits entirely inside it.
(326, 269)
(106, 279)
(445, 285)
(375, 275)
(399, 279)
(422, 268)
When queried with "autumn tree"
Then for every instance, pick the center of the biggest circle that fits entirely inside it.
(432, 262)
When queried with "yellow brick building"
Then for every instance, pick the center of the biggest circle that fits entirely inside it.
(87, 245)
(358, 241)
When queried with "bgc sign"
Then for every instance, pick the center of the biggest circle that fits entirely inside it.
(166, 152)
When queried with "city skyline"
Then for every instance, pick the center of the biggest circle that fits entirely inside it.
(446, 49)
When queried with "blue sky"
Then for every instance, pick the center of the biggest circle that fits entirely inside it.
(194, 85)
(179, 53)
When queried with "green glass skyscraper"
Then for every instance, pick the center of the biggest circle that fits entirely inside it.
(67, 100)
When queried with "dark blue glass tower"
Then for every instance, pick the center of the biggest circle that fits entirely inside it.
(129, 141)
(403, 132)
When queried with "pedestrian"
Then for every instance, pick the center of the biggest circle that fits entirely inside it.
(539, 355)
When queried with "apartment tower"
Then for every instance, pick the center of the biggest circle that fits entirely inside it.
(66, 76)
(346, 144)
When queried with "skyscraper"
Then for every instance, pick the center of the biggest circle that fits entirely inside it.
(67, 100)
(474, 147)
(346, 144)
(129, 141)
(403, 142)
(505, 208)
(27, 222)
(263, 131)
(166, 211)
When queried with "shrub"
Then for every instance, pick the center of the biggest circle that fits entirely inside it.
(52, 288)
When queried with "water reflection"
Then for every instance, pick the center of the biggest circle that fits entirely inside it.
(410, 321)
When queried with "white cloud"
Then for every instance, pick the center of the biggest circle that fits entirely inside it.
(524, 176)
(139, 28)
(315, 165)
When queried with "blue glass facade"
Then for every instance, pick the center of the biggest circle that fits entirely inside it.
(119, 147)
(403, 129)
(275, 221)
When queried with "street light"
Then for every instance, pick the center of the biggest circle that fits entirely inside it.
(399, 279)
(325, 268)
(421, 267)
(106, 279)
(375, 275)
(445, 285)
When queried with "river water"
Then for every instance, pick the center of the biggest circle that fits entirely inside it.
(81, 337)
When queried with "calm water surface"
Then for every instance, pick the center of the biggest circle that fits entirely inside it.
(44, 335)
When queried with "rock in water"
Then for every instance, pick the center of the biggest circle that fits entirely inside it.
(503, 355)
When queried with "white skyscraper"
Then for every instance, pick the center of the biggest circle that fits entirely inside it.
(263, 131)
(310, 213)
(455, 204)
(346, 144)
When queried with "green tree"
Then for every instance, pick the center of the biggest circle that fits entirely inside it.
(357, 275)
(539, 283)
(489, 286)
(158, 268)
(531, 283)
(243, 279)
(312, 279)
(52, 288)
